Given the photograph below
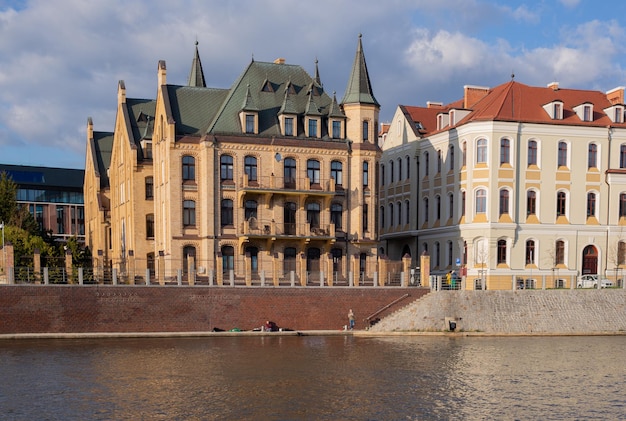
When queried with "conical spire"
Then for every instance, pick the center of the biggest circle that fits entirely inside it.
(359, 88)
(317, 75)
(196, 75)
(248, 102)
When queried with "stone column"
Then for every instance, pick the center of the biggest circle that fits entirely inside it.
(275, 269)
(302, 269)
(329, 269)
(161, 269)
(425, 270)
(191, 269)
(382, 270)
(355, 269)
(130, 270)
(219, 270)
(406, 268)
(248, 269)
(37, 265)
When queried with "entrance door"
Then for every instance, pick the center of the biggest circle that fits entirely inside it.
(590, 260)
(313, 264)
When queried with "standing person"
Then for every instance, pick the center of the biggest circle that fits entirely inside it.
(351, 319)
(449, 279)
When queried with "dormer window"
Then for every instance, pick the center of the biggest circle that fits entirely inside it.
(554, 110)
(584, 111)
(442, 120)
(288, 126)
(452, 115)
(615, 113)
(336, 129)
(312, 125)
(250, 120)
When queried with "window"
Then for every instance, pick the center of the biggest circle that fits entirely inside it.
(391, 172)
(426, 210)
(382, 217)
(464, 153)
(557, 111)
(336, 169)
(336, 213)
(501, 251)
(149, 182)
(532, 152)
(621, 253)
(382, 174)
(591, 204)
(504, 201)
(336, 129)
(366, 130)
(407, 212)
(450, 256)
(189, 213)
(391, 220)
(150, 225)
(561, 201)
(399, 209)
(530, 252)
(622, 205)
(451, 205)
(399, 169)
(290, 173)
(289, 259)
(60, 220)
(505, 151)
(249, 123)
(559, 253)
(438, 207)
(250, 209)
(531, 202)
(313, 171)
(463, 203)
(437, 253)
(562, 158)
(288, 126)
(253, 252)
(147, 151)
(586, 113)
(313, 214)
(188, 252)
(592, 156)
(337, 256)
(481, 151)
(289, 218)
(618, 114)
(189, 168)
(426, 164)
(481, 201)
(439, 161)
(226, 168)
(312, 127)
(250, 168)
(451, 157)
(622, 156)
(366, 170)
(408, 168)
(365, 217)
(227, 212)
(228, 259)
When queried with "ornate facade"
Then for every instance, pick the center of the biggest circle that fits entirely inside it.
(269, 177)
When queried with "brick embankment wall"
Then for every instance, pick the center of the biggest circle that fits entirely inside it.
(92, 309)
(514, 312)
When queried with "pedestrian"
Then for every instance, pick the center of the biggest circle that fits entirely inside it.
(449, 279)
(351, 319)
(452, 280)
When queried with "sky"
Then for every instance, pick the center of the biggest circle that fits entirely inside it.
(61, 60)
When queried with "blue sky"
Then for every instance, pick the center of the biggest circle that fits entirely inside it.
(60, 61)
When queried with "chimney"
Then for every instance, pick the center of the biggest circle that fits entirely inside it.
(279, 60)
(431, 104)
(473, 94)
(161, 72)
(616, 96)
(554, 86)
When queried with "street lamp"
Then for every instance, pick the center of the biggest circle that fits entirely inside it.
(4, 253)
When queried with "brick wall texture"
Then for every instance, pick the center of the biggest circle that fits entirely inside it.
(92, 309)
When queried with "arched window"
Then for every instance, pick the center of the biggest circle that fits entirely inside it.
(391, 220)
(253, 252)
(408, 168)
(481, 201)
(189, 168)
(622, 205)
(592, 156)
(407, 212)
(382, 217)
(426, 210)
(250, 168)
(451, 157)
(289, 260)
(189, 213)
(366, 173)
(149, 182)
(226, 168)
(438, 207)
(250, 210)
(622, 156)
(464, 154)
(532, 152)
(391, 172)
(561, 203)
(530, 252)
(531, 202)
(382, 174)
(450, 253)
(439, 161)
(426, 164)
(399, 169)
(559, 255)
(313, 214)
(289, 218)
(504, 201)
(591, 204)
(481, 151)
(437, 254)
(451, 205)
(227, 212)
(562, 155)
(501, 251)
(336, 172)
(505, 151)
(313, 171)
(150, 225)
(188, 251)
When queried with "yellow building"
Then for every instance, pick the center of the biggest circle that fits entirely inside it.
(513, 186)
(270, 180)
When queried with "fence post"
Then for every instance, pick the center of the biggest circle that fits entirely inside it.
(147, 276)
(231, 275)
(46, 279)
(11, 274)
(114, 276)
(211, 275)
(402, 279)
(80, 276)
(179, 276)
(262, 278)
(375, 284)
(351, 278)
(292, 277)
(321, 278)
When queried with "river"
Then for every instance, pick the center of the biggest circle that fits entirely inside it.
(314, 378)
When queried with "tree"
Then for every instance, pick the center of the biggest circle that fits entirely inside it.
(8, 198)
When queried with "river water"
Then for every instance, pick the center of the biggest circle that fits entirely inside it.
(314, 378)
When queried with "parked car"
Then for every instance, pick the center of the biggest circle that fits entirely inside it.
(591, 281)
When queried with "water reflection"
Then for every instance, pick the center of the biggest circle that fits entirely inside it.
(293, 378)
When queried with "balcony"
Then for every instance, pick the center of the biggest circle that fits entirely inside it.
(254, 228)
(278, 184)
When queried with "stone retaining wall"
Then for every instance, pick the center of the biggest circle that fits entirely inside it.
(522, 311)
